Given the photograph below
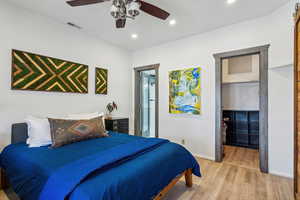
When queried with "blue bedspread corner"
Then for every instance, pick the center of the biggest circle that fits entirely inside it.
(196, 169)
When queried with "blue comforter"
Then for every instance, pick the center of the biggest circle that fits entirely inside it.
(118, 167)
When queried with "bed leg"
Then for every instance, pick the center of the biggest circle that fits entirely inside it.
(3, 180)
(189, 178)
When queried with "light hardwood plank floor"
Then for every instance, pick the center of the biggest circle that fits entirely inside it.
(237, 178)
(3, 195)
(242, 157)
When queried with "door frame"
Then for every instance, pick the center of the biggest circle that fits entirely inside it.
(137, 99)
(263, 102)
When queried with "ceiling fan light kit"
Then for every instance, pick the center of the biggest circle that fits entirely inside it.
(123, 9)
(134, 9)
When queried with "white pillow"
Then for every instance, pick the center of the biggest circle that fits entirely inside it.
(38, 131)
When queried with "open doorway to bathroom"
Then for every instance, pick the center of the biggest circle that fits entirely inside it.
(146, 101)
(242, 107)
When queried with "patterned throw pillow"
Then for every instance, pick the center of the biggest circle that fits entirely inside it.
(69, 131)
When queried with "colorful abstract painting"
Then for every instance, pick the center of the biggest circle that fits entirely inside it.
(42, 73)
(185, 91)
(101, 81)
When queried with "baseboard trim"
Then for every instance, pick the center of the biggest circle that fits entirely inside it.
(204, 157)
(276, 173)
(285, 175)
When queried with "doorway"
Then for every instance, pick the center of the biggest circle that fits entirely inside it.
(146, 101)
(262, 143)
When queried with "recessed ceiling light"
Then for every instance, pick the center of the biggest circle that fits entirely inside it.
(231, 1)
(172, 22)
(134, 36)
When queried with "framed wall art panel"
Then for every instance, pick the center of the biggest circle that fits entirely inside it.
(42, 73)
(101, 81)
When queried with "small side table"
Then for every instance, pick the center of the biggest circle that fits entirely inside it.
(120, 125)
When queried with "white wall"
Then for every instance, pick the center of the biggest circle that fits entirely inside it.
(198, 131)
(25, 31)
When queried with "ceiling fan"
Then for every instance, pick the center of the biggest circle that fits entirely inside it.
(123, 9)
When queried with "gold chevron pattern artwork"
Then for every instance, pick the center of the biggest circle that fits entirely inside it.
(101, 80)
(41, 73)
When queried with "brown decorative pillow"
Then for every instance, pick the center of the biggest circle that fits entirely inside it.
(69, 131)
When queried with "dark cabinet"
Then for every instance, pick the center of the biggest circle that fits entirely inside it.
(242, 128)
(120, 125)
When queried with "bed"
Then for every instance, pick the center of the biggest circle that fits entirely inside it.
(118, 167)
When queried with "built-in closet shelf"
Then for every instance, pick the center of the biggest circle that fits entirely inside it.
(230, 109)
(230, 83)
(282, 66)
(242, 128)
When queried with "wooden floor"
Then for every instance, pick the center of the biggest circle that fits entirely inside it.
(3, 196)
(237, 178)
(242, 157)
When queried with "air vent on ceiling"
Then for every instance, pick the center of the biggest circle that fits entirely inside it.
(74, 25)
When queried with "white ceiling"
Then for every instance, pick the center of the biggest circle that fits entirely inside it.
(192, 16)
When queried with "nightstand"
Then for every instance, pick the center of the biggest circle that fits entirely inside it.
(120, 125)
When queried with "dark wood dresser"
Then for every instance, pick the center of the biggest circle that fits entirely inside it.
(120, 125)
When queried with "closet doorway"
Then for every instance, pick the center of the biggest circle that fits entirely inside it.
(146, 101)
(242, 106)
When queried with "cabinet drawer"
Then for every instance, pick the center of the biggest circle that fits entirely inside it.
(117, 125)
(123, 122)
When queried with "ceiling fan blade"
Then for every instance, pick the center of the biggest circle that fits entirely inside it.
(120, 23)
(153, 10)
(84, 2)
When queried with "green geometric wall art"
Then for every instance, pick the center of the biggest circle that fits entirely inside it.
(41, 73)
(101, 81)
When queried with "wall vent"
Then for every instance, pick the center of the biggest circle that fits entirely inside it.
(74, 25)
(241, 64)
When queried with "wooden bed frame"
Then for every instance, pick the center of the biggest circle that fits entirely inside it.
(187, 173)
(188, 181)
